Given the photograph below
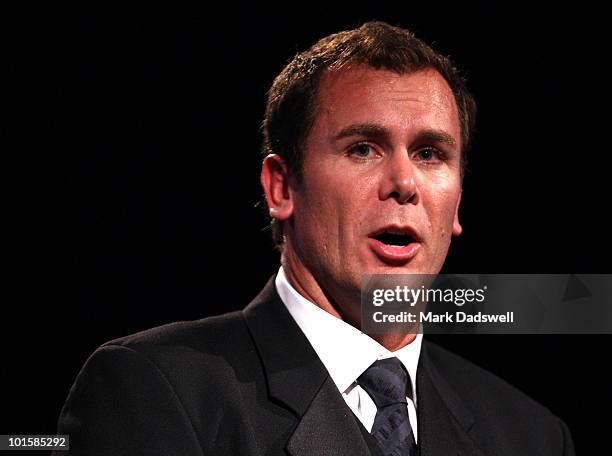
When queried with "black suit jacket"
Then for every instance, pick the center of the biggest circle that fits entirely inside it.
(249, 383)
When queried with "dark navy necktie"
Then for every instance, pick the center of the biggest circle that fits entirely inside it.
(387, 383)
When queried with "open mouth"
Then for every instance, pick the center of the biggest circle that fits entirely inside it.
(395, 245)
(396, 239)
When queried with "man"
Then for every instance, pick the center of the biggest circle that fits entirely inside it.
(365, 136)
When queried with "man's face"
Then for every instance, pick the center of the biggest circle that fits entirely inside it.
(381, 179)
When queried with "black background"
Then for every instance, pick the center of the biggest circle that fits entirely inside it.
(136, 206)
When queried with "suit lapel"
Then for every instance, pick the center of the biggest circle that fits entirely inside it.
(328, 427)
(298, 379)
(444, 420)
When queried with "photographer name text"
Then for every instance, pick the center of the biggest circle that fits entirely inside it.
(447, 317)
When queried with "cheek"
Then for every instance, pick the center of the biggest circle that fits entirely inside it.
(441, 201)
(334, 204)
(316, 208)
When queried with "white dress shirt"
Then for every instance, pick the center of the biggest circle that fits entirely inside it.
(346, 352)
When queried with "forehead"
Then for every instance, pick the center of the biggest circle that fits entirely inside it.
(401, 102)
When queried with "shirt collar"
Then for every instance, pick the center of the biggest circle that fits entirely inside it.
(345, 351)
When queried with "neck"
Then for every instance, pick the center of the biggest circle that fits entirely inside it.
(394, 341)
(306, 285)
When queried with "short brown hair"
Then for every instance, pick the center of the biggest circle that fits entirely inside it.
(290, 107)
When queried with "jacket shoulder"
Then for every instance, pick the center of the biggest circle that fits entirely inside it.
(215, 352)
(207, 334)
(470, 380)
(176, 382)
(501, 412)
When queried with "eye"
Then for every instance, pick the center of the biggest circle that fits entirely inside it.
(362, 150)
(429, 154)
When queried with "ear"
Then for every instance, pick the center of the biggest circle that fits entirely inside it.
(275, 182)
(457, 229)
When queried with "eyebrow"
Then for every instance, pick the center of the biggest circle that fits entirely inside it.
(360, 130)
(438, 136)
(373, 130)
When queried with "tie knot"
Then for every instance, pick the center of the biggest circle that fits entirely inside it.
(386, 381)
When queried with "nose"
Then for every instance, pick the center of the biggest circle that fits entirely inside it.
(399, 180)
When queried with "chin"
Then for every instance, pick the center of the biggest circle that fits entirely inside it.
(407, 270)
(391, 269)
